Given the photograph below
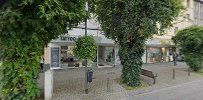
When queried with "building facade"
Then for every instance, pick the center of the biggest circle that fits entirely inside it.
(158, 49)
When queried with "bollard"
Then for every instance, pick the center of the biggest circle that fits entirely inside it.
(89, 76)
(48, 85)
(173, 74)
(108, 87)
(188, 71)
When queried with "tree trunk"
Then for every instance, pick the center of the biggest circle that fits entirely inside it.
(131, 58)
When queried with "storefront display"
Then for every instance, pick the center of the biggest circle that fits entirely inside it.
(107, 52)
(68, 59)
(154, 55)
(106, 56)
(159, 54)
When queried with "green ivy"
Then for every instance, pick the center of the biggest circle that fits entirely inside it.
(26, 27)
(86, 48)
(130, 23)
(190, 41)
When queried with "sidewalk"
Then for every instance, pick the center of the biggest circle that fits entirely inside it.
(69, 83)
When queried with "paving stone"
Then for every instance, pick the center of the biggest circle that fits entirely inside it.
(69, 83)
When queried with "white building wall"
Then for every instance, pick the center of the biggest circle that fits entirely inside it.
(184, 20)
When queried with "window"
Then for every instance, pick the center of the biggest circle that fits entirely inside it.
(188, 3)
(175, 30)
(188, 17)
(201, 11)
(196, 9)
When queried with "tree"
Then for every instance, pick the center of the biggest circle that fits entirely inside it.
(190, 41)
(130, 23)
(26, 26)
(86, 48)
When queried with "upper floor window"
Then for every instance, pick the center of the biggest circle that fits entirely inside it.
(187, 17)
(196, 9)
(175, 30)
(188, 3)
(201, 11)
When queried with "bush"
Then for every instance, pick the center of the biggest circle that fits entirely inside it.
(86, 48)
(194, 62)
(190, 41)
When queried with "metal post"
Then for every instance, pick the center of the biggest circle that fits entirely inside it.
(173, 74)
(146, 52)
(97, 55)
(108, 88)
(108, 85)
(86, 83)
(86, 26)
(87, 13)
(115, 56)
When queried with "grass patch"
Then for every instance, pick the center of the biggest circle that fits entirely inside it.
(143, 85)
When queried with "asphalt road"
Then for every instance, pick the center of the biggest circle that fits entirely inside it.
(187, 91)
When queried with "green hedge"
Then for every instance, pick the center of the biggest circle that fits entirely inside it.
(190, 41)
(86, 48)
(26, 27)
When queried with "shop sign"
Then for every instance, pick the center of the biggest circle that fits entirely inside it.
(55, 57)
(68, 38)
(165, 42)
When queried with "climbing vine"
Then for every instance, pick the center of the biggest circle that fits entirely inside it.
(26, 27)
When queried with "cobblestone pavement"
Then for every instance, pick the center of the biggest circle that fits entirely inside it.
(69, 83)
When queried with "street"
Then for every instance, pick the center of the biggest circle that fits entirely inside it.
(187, 91)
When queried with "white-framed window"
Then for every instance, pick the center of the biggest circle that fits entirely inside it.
(175, 30)
(188, 3)
(201, 11)
(187, 17)
(196, 9)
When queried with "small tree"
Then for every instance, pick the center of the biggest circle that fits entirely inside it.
(26, 27)
(130, 23)
(190, 41)
(86, 48)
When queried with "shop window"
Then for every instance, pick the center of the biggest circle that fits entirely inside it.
(106, 56)
(68, 59)
(170, 51)
(154, 55)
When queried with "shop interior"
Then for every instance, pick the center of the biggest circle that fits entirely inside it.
(159, 54)
(106, 57)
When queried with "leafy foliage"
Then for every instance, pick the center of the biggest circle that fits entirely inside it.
(26, 26)
(130, 23)
(86, 47)
(190, 41)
